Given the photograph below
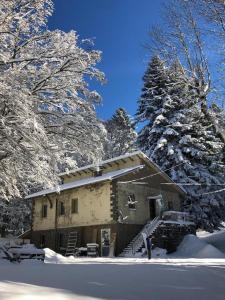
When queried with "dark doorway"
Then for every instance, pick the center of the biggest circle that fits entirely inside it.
(152, 208)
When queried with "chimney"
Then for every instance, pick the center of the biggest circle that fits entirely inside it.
(98, 171)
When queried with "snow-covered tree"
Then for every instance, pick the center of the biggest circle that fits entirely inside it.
(153, 95)
(180, 139)
(15, 217)
(218, 114)
(121, 135)
(46, 107)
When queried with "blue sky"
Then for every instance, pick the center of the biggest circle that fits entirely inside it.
(120, 28)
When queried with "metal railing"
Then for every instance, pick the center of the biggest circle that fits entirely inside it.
(148, 229)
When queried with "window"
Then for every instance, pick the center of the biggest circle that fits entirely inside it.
(61, 240)
(74, 206)
(170, 205)
(42, 241)
(61, 208)
(44, 211)
(131, 202)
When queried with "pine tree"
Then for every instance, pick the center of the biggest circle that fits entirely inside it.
(178, 137)
(151, 101)
(121, 135)
(219, 115)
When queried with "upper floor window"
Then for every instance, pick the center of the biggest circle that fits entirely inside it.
(74, 206)
(44, 211)
(131, 202)
(61, 208)
(170, 205)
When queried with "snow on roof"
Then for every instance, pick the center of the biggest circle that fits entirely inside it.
(102, 163)
(147, 159)
(86, 181)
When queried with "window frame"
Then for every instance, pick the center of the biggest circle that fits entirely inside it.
(131, 206)
(44, 211)
(61, 208)
(74, 206)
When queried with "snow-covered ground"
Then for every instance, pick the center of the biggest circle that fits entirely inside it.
(201, 276)
(217, 239)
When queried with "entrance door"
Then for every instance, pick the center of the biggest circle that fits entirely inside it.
(105, 241)
(152, 208)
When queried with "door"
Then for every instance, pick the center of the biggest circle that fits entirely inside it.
(105, 241)
(152, 208)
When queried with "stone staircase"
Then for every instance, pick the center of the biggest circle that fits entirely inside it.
(137, 243)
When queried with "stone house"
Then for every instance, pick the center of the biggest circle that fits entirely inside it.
(108, 204)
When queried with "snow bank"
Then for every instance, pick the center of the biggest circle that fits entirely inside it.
(54, 258)
(216, 239)
(193, 247)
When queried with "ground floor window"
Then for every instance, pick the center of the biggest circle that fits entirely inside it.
(61, 240)
(42, 241)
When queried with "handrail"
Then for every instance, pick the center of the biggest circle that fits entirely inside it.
(148, 229)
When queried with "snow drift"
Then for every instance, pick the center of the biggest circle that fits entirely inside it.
(193, 247)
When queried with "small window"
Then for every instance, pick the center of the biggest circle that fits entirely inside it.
(131, 202)
(74, 206)
(42, 241)
(170, 205)
(44, 211)
(61, 240)
(61, 208)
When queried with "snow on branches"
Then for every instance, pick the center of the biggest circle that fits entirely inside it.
(46, 107)
(177, 130)
(121, 135)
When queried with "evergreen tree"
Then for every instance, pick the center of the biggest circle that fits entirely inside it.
(178, 137)
(15, 216)
(121, 135)
(219, 115)
(151, 101)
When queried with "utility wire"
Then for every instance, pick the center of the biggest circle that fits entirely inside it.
(161, 172)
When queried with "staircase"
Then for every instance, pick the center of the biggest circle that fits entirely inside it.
(137, 243)
(71, 243)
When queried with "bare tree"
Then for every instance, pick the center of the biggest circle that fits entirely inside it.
(182, 37)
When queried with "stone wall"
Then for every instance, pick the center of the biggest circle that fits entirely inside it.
(169, 235)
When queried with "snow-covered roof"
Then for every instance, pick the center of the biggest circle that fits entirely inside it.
(86, 181)
(101, 163)
(122, 157)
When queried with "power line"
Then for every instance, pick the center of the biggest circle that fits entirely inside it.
(161, 172)
(214, 192)
(193, 184)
